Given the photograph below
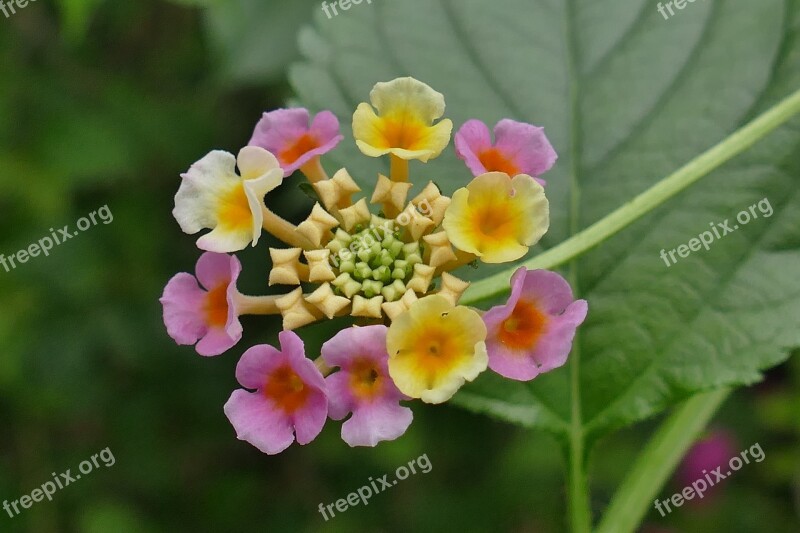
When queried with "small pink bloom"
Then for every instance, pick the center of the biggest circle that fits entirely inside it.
(287, 134)
(289, 399)
(519, 148)
(206, 313)
(532, 333)
(715, 450)
(363, 387)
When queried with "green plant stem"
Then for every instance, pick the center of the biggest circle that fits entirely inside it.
(646, 202)
(657, 461)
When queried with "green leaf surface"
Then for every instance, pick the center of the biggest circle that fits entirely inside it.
(254, 41)
(626, 97)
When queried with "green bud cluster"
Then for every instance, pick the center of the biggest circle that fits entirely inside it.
(373, 261)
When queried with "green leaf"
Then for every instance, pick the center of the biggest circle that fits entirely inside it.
(307, 189)
(254, 41)
(626, 98)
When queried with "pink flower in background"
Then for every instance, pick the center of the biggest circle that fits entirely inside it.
(363, 387)
(519, 148)
(289, 399)
(532, 333)
(716, 449)
(206, 314)
(288, 134)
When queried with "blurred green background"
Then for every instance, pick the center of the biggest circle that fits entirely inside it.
(106, 103)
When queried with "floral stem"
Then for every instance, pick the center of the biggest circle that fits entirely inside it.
(646, 202)
(324, 369)
(284, 230)
(256, 305)
(657, 461)
(313, 171)
(399, 169)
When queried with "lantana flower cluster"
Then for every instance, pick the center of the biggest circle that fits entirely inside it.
(384, 259)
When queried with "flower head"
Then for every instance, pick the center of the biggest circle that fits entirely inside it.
(497, 218)
(213, 196)
(519, 148)
(532, 333)
(288, 134)
(363, 387)
(289, 398)
(207, 314)
(404, 125)
(434, 348)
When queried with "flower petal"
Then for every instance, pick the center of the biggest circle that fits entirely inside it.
(526, 145)
(201, 187)
(218, 341)
(256, 364)
(182, 300)
(470, 140)
(258, 422)
(377, 422)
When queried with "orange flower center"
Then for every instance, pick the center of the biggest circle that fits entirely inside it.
(304, 144)
(494, 160)
(402, 133)
(286, 389)
(523, 328)
(365, 380)
(495, 222)
(217, 306)
(436, 350)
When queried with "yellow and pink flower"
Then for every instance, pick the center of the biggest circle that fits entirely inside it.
(519, 148)
(294, 138)
(205, 311)
(289, 400)
(404, 124)
(212, 196)
(496, 218)
(533, 332)
(434, 348)
(363, 387)
(388, 268)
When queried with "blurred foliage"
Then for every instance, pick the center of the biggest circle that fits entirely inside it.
(105, 103)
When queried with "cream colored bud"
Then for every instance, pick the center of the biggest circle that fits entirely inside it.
(395, 309)
(286, 267)
(296, 311)
(367, 307)
(415, 224)
(391, 194)
(431, 203)
(317, 226)
(439, 250)
(326, 301)
(337, 191)
(452, 288)
(319, 265)
(355, 214)
(422, 278)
